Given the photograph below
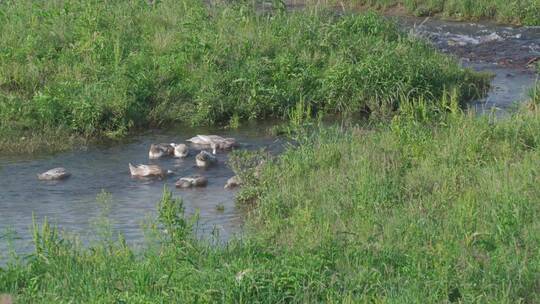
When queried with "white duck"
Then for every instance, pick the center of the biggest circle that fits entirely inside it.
(180, 150)
(54, 174)
(192, 181)
(215, 142)
(160, 150)
(148, 171)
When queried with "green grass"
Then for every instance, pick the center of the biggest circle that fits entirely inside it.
(435, 207)
(520, 12)
(102, 69)
(39, 141)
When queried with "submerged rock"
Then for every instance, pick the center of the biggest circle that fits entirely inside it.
(192, 181)
(54, 174)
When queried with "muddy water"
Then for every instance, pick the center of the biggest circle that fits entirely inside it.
(72, 203)
(506, 52)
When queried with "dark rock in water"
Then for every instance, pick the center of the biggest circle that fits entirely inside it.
(192, 181)
(54, 174)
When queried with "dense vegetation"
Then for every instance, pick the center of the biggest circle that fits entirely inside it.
(431, 208)
(522, 12)
(101, 68)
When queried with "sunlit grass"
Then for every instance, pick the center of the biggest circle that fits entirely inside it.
(96, 69)
(438, 206)
(519, 12)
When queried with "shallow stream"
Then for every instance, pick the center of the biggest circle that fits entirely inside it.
(72, 204)
(506, 52)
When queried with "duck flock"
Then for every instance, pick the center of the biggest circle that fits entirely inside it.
(203, 159)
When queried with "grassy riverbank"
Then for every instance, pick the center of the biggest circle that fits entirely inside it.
(432, 208)
(519, 12)
(101, 69)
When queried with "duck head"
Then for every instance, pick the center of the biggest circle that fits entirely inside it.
(180, 150)
(205, 159)
(155, 152)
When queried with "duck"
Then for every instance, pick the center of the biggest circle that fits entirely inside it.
(59, 173)
(180, 150)
(215, 142)
(192, 181)
(233, 182)
(205, 159)
(148, 171)
(160, 150)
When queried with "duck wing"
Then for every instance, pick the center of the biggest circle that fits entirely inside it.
(213, 138)
(206, 139)
(155, 170)
(56, 173)
(138, 170)
(165, 147)
(199, 140)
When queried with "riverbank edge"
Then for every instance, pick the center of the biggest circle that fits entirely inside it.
(437, 205)
(153, 83)
(400, 10)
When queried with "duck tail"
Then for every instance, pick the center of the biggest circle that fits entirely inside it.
(131, 169)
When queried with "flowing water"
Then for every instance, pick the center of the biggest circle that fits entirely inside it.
(503, 51)
(506, 52)
(72, 204)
